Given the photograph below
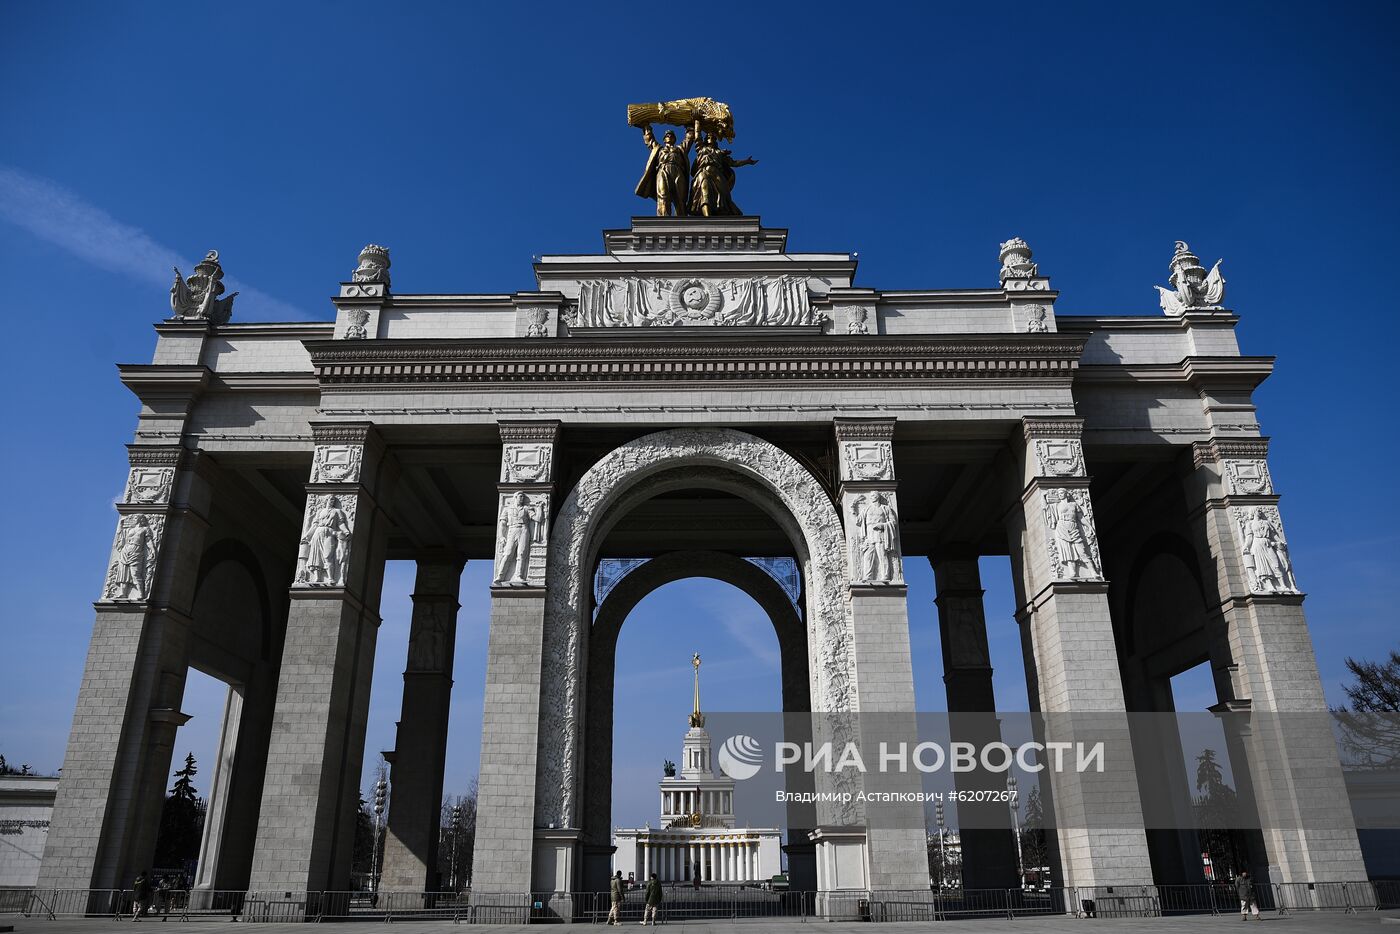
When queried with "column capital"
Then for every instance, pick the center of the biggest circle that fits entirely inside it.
(544, 431)
(1218, 450)
(1047, 426)
(864, 429)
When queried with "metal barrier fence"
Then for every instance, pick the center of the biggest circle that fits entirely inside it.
(682, 902)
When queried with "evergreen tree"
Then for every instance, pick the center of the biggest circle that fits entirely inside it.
(1215, 816)
(181, 821)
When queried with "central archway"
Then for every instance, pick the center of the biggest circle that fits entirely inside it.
(718, 458)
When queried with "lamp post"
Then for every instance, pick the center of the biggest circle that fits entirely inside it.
(1016, 828)
(456, 825)
(942, 852)
(381, 791)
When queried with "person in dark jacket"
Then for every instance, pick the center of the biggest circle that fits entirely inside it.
(140, 895)
(653, 900)
(615, 897)
(1244, 887)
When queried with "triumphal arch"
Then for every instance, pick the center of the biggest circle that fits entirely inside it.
(695, 394)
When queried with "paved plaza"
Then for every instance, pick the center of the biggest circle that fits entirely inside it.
(1311, 923)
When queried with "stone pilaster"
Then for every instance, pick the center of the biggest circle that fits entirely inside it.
(306, 822)
(884, 670)
(117, 762)
(358, 308)
(1266, 672)
(1072, 659)
(988, 844)
(420, 749)
(511, 733)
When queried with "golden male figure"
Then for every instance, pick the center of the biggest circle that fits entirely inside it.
(667, 175)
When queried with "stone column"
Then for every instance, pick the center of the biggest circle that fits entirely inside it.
(420, 746)
(306, 824)
(1265, 669)
(988, 843)
(884, 671)
(510, 733)
(117, 764)
(1072, 659)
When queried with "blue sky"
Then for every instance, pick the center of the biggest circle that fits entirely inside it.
(468, 137)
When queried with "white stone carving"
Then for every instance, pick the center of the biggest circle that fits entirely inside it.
(1192, 287)
(873, 526)
(1071, 539)
(149, 485)
(132, 566)
(1263, 549)
(537, 322)
(373, 265)
(1036, 321)
(1016, 261)
(633, 302)
(1059, 458)
(526, 463)
(522, 537)
(857, 320)
(1247, 478)
(337, 463)
(867, 460)
(323, 558)
(198, 299)
(770, 473)
(356, 330)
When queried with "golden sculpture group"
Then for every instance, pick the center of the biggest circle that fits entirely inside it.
(704, 189)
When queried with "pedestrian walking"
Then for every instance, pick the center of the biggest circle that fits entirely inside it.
(615, 897)
(1244, 887)
(653, 900)
(140, 895)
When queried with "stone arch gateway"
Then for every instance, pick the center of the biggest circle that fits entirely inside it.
(695, 386)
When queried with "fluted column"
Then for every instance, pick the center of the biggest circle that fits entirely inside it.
(420, 745)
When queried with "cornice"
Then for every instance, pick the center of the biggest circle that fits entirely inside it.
(706, 358)
(539, 432)
(149, 380)
(1244, 372)
(864, 429)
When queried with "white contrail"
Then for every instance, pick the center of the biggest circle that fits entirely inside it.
(53, 213)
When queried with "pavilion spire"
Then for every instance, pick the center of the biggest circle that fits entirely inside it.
(697, 719)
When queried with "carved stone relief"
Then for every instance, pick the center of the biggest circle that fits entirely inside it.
(337, 463)
(536, 322)
(867, 460)
(526, 463)
(373, 265)
(1263, 549)
(427, 644)
(872, 526)
(749, 458)
(632, 302)
(522, 539)
(962, 617)
(1059, 458)
(149, 485)
(323, 557)
(1036, 321)
(857, 320)
(1016, 262)
(132, 566)
(356, 330)
(1247, 478)
(1071, 539)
